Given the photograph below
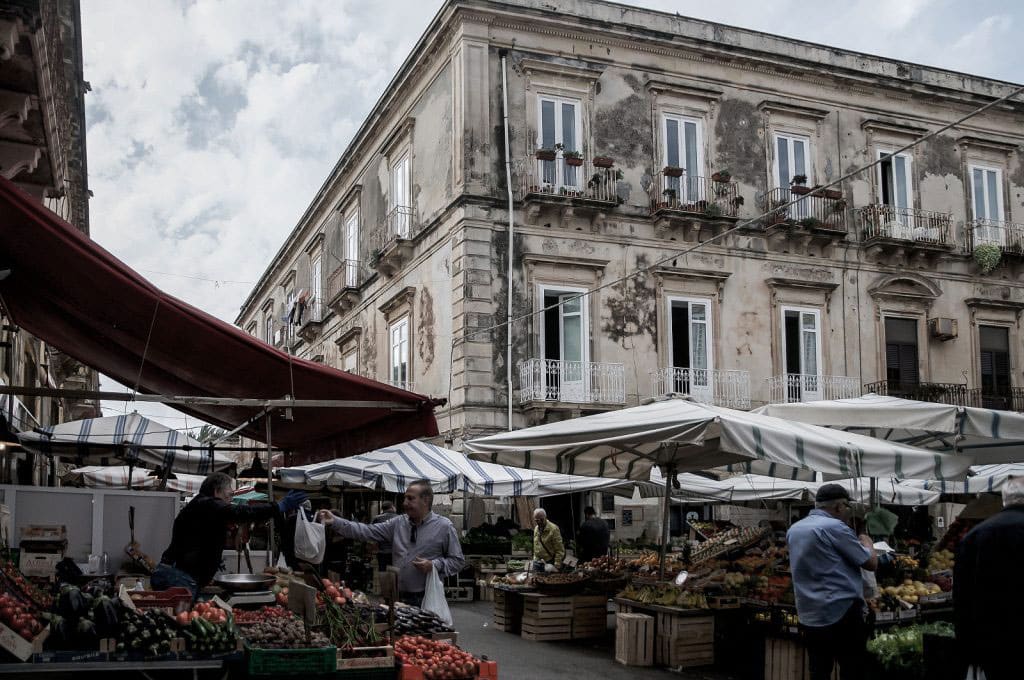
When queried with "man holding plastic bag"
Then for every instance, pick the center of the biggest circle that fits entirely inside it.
(425, 547)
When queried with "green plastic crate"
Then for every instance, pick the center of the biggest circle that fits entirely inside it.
(318, 661)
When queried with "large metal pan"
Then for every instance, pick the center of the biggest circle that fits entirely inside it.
(244, 582)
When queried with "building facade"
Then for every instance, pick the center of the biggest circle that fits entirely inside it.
(42, 150)
(634, 137)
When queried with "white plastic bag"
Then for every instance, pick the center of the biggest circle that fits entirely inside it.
(433, 598)
(310, 540)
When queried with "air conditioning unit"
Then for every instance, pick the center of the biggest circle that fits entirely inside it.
(943, 328)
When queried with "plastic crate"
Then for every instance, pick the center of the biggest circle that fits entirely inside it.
(316, 661)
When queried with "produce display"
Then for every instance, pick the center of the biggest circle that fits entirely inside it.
(516, 565)
(567, 579)
(282, 634)
(81, 619)
(709, 528)
(911, 591)
(208, 633)
(17, 585)
(204, 610)
(267, 613)
(667, 596)
(523, 542)
(414, 621)
(941, 560)
(650, 561)
(148, 633)
(726, 541)
(901, 651)
(607, 564)
(438, 660)
(350, 625)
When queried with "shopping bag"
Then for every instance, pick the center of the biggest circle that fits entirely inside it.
(975, 673)
(310, 540)
(433, 598)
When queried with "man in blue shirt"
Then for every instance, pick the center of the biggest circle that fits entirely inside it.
(826, 557)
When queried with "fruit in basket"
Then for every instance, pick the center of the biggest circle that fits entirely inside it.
(905, 562)
(439, 660)
(941, 560)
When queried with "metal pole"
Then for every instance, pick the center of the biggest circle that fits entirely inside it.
(669, 474)
(511, 247)
(270, 493)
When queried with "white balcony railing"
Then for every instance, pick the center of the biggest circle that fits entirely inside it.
(563, 177)
(800, 387)
(577, 382)
(727, 388)
(911, 225)
(1009, 236)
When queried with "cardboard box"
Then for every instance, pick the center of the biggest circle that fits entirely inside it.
(43, 532)
(19, 646)
(39, 564)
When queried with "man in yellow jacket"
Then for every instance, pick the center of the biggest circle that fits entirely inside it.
(547, 540)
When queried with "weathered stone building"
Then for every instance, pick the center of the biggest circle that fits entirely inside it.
(634, 135)
(42, 150)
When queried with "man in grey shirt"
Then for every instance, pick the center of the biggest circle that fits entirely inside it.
(420, 541)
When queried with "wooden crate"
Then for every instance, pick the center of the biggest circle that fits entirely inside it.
(786, 659)
(681, 653)
(684, 641)
(634, 639)
(546, 617)
(547, 629)
(508, 611)
(589, 616)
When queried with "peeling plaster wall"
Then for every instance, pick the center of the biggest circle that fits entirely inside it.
(432, 143)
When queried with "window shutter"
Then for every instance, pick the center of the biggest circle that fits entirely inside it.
(908, 364)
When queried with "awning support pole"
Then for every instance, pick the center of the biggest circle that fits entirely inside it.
(669, 474)
(270, 493)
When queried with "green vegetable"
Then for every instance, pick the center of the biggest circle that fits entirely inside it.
(901, 651)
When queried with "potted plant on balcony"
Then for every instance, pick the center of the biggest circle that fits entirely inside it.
(810, 223)
(544, 154)
(833, 194)
(987, 256)
(713, 210)
(737, 201)
(672, 171)
(374, 258)
(670, 198)
(798, 185)
(722, 176)
(573, 158)
(839, 206)
(603, 161)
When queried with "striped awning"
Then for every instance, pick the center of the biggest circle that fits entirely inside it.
(983, 479)
(132, 438)
(688, 436)
(116, 477)
(393, 468)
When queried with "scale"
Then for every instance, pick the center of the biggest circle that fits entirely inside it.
(257, 598)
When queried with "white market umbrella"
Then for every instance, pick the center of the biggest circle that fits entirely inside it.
(739, 489)
(116, 477)
(132, 437)
(678, 434)
(983, 479)
(988, 436)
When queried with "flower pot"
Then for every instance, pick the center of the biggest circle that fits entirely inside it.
(834, 194)
(545, 154)
(574, 161)
(672, 171)
(721, 177)
(800, 189)
(603, 162)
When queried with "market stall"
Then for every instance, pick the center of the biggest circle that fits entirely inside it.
(117, 477)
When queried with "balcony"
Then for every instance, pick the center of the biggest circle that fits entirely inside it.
(310, 320)
(885, 230)
(955, 394)
(1009, 236)
(572, 187)
(571, 382)
(692, 204)
(343, 286)
(802, 387)
(394, 240)
(817, 220)
(1010, 399)
(727, 388)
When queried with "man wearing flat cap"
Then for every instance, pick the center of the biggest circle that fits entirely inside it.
(825, 558)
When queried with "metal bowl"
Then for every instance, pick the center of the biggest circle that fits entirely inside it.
(244, 582)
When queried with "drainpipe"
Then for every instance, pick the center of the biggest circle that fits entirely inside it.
(511, 222)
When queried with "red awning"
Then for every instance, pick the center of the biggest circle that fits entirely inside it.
(67, 290)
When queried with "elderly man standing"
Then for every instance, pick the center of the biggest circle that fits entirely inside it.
(547, 540)
(825, 557)
(987, 603)
(421, 541)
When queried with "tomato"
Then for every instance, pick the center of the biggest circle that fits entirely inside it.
(25, 633)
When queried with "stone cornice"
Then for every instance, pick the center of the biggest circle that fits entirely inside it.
(404, 296)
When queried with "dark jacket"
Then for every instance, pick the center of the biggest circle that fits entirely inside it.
(200, 530)
(592, 540)
(987, 596)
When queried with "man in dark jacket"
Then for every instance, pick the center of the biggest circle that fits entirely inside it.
(200, 529)
(987, 596)
(594, 536)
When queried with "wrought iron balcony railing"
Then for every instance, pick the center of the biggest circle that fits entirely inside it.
(956, 394)
(580, 382)
(1009, 236)
(801, 387)
(562, 177)
(910, 225)
(693, 194)
(399, 224)
(718, 387)
(820, 211)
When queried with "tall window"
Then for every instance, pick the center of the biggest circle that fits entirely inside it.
(682, 149)
(352, 250)
(894, 184)
(901, 355)
(399, 333)
(399, 199)
(348, 362)
(316, 287)
(268, 328)
(792, 158)
(995, 367)
(801, 348)
(690, 343)
(559, 129)
(987, 205)
(565, 344)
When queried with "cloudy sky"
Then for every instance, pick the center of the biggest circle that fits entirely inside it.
(212, 124)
